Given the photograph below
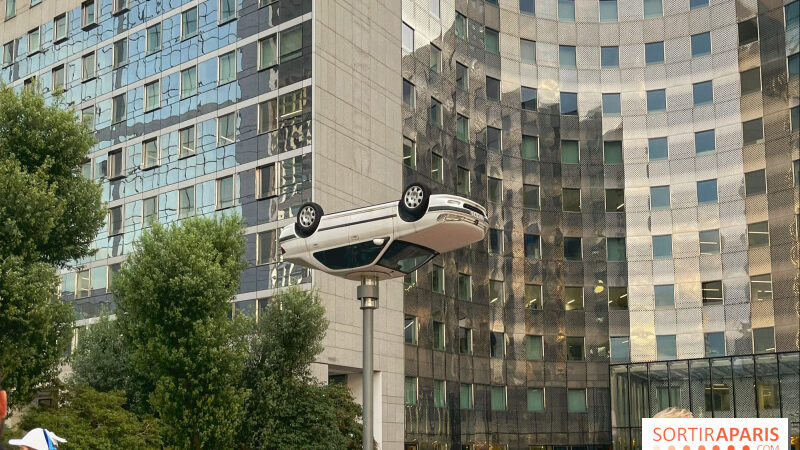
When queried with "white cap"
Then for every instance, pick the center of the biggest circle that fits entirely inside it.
(36, 440)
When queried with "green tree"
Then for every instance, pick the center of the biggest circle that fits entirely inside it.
(90, 420)
(173, 296)
(49, 215)
(287, 408)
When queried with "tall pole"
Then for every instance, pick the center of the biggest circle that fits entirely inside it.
(367, 292)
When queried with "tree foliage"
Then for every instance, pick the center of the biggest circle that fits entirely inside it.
(173, 296)
(287, 408)
(49, 215)
(91, 420)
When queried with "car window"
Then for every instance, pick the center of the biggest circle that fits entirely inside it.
(350, 256)
(405, 257)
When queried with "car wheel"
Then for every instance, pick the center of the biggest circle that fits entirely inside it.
(308, 218)
(414, 203)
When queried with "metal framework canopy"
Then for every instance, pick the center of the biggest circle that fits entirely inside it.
(384, 241)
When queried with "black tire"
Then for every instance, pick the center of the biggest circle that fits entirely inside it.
(308, 217)
(414, 202)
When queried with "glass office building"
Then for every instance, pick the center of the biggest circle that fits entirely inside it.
(638, 159)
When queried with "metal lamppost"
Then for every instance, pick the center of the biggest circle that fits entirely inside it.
(367, 292)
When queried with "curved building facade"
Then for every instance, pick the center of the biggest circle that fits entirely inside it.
(639, 160)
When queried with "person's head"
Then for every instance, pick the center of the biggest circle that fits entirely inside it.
(674, 413)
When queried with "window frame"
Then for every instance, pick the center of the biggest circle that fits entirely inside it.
(273, 238)
(218, 201)
(274, 189)
(148, 50)
(56, 38)
(232, 139)
(223, 20)
(112, 230)
(145, 217)
(147, 106)
(184, 22)
(119, 46)
(86, 7)
(124, 98)
(38, 32)
(144, 164)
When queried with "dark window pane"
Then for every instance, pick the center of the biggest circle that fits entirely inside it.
(704, 142)
(572, 249)
(715, 344)
(664, 295)
(709, 242)
(609, 56)
(654, 52)
(703, 93)
(748, 31)
(528, 98)
(612, 152)
(533, 246)
(615, 200)
(620, 348)
(707, 191)
(569, 104)
(656, 100)
(659, 197)
(752, 131)
(751, 80)
(755, 183)
(701, 44)
(666, 347)
(712, 292)
(611, 105)
(492, 88)
(658, 148)
(527, 6)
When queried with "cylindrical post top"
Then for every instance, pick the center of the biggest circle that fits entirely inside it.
(368, 292)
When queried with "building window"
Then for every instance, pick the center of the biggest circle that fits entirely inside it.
(408, 94)
(755, 183)
(267, 247)
(120, 51)
(609, 57)
(570, 199)
(793, 63)
(534, 349)
(658, 148)
(758, 234)
(535, 399)
(495, 241)
(460, 28)
(11, 8)
(60, 28)
(530, 148)
(408, 38)
(115, 164)
(189, 23)
(88, 117)
(437, 168)
(527, 51)
(115, 221)
(88, 14)
(612, 152)
(751, 80)
(533, 296)
(437, 279)
(438, 336)
(763, 340)
(495, 190)
(666, 347)
(576, 400)
(268, 52)
(566, 56)
(464, 341)
(569, 104)
(34, 41)
(492, 88)
(497, 345)
(462, 181)
(701, 44)
(791, 14)
(464, 287)
(462, 128)
(608, 10)
(119, 108)
(570, 152)
(654, 52)
(291, 43)
(438, 385)
(492, 41)
(59, 75)
(659, 197)
(703, 93)
(664, 295)
(462, 77)
(410, 330)
(704, 142)
(150, 210)
(653, 8)
(186, 202)
(718, 397)
(616, 248)
(707, 191)
(761, 287)
(150, 153)
(748, 31)
(120, 6)
(662, 246)
(498, 398)
(656, 100)
(436, 59)
(435, 113)
(617, 297)
(573, 298)
(615, 200)
(529, 97)
(227, 68)
(266, 181)
(409, 153)
(152, 95)
(709, 242)
(715, 344)
(695, 4)
(533, 246)
(712, 292)
(411, 391)
(566, 10)
(189, 82)
(497, 292)
(575, 348)
(572, 249)
(767, 394)
(226, 129)
(225, 192)
(527, 7)
(611, 105)
(465, 396)
(268, 116)
(187, 141)
(227, 10)
(530, 196)
(620, 348)
(752, 131)
(796, 164)
(153, 38)
(83, 284)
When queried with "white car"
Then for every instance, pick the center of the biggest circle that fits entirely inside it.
(387, 240)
